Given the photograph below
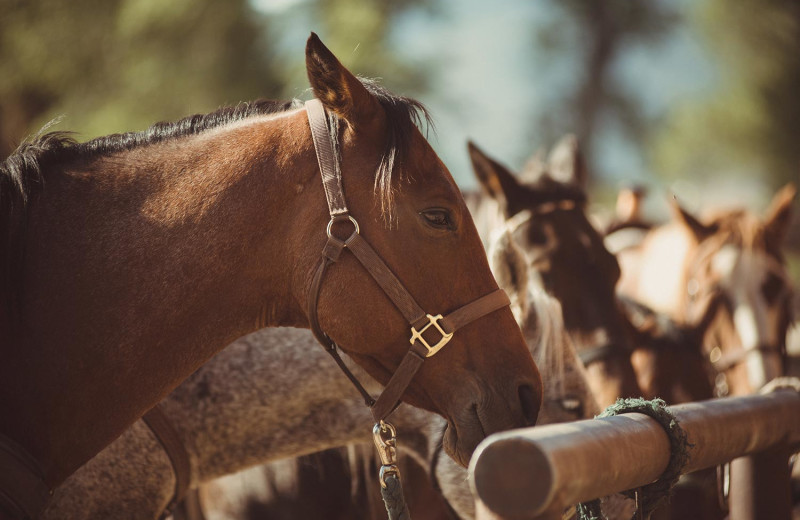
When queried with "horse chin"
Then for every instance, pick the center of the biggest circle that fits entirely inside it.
(461, 439)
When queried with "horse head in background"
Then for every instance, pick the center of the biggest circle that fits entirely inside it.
(149, 252)
(541, 237)
(731, 260)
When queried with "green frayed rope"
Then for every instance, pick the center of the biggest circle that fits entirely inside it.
(652, 495)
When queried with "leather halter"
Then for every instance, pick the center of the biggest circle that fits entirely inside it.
(170, 440)
(420, 321)
(23, 491)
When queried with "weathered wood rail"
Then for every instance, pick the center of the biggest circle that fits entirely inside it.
(535, 473)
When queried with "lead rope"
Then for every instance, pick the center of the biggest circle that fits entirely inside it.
(385, 437)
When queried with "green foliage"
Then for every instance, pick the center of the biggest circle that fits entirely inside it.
(751, 123)
(118, 65)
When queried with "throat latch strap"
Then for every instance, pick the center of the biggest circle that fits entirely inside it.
(173, 446)
(23, 491)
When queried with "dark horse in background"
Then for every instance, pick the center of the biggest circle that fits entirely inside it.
(542, 212)
(129, 260)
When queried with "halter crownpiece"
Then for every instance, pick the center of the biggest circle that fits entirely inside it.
(420, 321)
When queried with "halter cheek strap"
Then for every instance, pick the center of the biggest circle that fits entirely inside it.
(172, 443)
(421, 322)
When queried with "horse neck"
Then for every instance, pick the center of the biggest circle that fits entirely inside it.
(555, 347)
(557, 359)
(139, 267)
(270, 395)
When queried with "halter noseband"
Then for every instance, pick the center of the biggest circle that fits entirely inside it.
(419, 320)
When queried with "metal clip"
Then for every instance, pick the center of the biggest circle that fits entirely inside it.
(385, 437)
(387, 447)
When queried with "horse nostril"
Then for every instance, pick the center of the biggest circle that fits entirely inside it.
(529, 401)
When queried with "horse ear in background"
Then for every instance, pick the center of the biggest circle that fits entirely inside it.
(778, 216)
(567, 164)
(698, 230)
(496, 180)
(534, 167)
(338, 89)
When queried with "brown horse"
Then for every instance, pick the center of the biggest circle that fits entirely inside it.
(129, 260)
(543, 215)
(253, 403)
(682, 267)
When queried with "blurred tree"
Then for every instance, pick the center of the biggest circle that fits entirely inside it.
(117, 65)
(359, 32)
(598, 32)
(750, 125)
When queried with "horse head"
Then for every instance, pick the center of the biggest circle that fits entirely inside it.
(735, 255)
(411, 212)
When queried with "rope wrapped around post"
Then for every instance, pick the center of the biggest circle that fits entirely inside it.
(650, 497)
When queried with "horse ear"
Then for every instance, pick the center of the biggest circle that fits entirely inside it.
(497, 180)
(699, 230)
(567, 164)
(535, 167)
(338, 89)
(629, 204)
(779, 214)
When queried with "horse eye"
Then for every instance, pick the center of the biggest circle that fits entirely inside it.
(438, 218)
(771, 288)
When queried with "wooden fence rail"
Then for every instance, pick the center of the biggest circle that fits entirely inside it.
(535, 473)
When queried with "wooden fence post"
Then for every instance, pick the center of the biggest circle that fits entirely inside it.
(526, 473)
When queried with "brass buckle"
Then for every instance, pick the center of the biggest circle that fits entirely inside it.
(417, 335)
